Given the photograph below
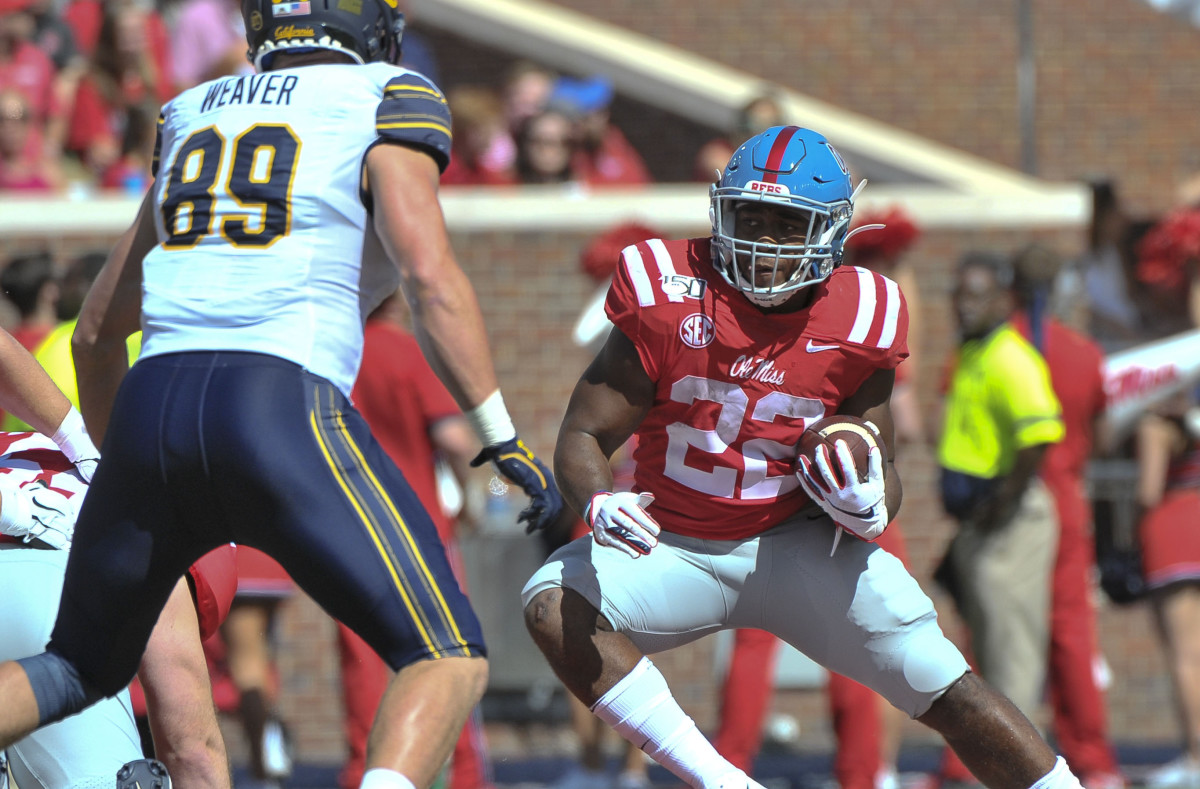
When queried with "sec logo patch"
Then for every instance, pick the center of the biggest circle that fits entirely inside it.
(697, 331)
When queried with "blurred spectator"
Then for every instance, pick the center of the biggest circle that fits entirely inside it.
(30, 284)
(54, 352)
(54, 36)
(131, 171)
(28, 70)
(1096, 292)
(526, 89)
(248, 658)
(416, 421)
(208, 40)
(758, 114)
(1168, 265)
(24, 164)
(603, 156)
(484, 154)
(124, 71)
(1168, 452)
(545, 149)
(1076, 366)
(1000, 416)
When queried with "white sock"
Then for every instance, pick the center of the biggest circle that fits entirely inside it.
(383, 778)
(1059, 777)
(640, 707)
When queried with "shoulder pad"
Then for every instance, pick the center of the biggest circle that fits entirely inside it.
(865, 308)
(658, 274)
(414, 112)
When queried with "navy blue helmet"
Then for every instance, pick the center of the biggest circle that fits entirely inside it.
(366, 30)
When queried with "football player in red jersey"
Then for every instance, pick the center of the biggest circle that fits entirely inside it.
(724, 350)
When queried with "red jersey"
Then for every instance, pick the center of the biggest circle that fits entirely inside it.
(401, 398)
(1076, 367)
(735, 386)
(26, 458)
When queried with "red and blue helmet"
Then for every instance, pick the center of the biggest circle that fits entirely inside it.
(366, 30)
(796, 169)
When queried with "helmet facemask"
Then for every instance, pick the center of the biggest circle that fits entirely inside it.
(769, 272)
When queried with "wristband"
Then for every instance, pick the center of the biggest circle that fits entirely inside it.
(491, 421)
(15, 511)
(73, 439)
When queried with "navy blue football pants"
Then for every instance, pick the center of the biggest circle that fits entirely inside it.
(208, 448)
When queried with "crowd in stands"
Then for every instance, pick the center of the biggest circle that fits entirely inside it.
(82, 81)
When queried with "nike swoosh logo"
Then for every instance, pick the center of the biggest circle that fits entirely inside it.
(814, 348)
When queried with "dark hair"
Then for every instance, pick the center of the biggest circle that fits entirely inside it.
(999, 265)
(1035, 267)
(77, 282)
(23, 279)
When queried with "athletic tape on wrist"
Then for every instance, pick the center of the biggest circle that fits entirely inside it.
(491, 421)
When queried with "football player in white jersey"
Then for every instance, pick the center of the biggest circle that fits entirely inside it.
(286, 204)
(724, 349)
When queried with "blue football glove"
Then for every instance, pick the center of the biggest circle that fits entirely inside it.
(518, 465)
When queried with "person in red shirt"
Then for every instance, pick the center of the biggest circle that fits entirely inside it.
(866, 727)
(483, 152)
(29, 71)
(603, 157)
(414, 419)
(1076, 366)
(724, 350)
(126, 71)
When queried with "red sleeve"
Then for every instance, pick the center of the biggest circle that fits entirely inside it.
(632, 292)
(214, 583)
(866, 311)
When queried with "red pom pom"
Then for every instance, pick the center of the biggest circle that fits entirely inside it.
(886, 244)
(599, 258)
(1166, 251)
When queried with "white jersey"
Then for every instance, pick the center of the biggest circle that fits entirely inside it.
(265, 243)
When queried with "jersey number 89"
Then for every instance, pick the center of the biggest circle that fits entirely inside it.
(258, 179)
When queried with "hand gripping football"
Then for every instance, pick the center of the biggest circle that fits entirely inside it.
(859, 434)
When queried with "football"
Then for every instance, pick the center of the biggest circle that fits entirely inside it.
(859, 435)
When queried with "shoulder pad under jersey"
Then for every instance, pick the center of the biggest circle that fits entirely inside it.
(414, 112)
(862, 307)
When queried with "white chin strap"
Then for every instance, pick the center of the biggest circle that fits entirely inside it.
(324, 42)
(770, 299)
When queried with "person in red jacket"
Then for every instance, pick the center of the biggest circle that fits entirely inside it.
(1076, 375)
(415, 419)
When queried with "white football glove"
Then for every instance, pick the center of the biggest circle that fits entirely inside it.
(853, 505)
(37, 512)
(620, 520)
